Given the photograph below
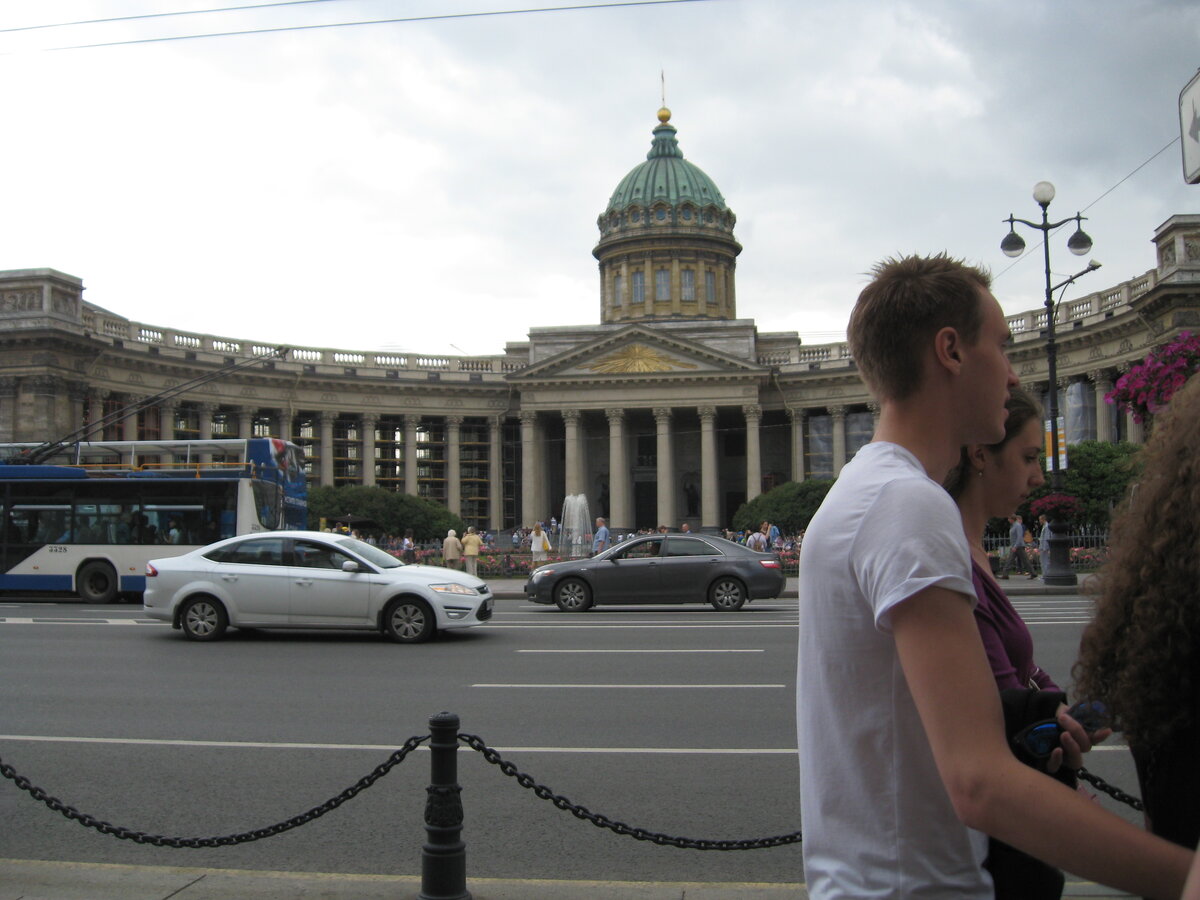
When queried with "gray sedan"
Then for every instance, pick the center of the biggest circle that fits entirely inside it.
(661, 568)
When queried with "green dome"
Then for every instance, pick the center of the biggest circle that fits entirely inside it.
(665, 176)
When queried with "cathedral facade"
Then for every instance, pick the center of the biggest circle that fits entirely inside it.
(671, 409)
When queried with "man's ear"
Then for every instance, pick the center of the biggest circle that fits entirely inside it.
(947, 349)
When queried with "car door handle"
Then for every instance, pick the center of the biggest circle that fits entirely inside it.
(304, 581)
(229, 578)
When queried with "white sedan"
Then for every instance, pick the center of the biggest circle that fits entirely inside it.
(309, 579)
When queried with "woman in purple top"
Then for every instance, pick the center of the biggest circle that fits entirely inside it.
(992, 481)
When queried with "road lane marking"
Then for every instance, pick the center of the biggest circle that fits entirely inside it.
(707, 687)
(387, 748)
(656, 652)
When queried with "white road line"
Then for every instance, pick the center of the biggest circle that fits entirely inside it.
(13, 620)
(386, 748)
(656, 652)
(707, 687)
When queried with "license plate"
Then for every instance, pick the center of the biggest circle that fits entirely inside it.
(487, 604)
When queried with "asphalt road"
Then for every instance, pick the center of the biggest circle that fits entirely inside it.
(675, 719)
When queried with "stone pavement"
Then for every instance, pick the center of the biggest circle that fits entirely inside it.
(40, 880)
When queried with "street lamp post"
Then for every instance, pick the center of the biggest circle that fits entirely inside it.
(1057, 570)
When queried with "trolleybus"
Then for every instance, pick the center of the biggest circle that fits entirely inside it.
(90, 526)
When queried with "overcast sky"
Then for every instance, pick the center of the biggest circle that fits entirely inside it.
(434, 186)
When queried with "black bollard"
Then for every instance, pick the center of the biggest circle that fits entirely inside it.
(444, 855)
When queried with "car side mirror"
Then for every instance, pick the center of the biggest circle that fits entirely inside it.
(349, 566)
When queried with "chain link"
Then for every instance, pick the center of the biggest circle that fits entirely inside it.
(602, 821)
(1115, 792)
(157, 840)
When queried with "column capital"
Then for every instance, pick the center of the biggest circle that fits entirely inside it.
(797, 415)
(454, 421)
(707, 412)
(615, 415)
(571, 415)
(411, 420)
(528, 416)
(752, 411)
(838, 412)
(662, 414)
(326, 417)
(370, 419)
(1100, 376)
(874, 407)
(207, 407)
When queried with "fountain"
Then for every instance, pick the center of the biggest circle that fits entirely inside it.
(575, 527)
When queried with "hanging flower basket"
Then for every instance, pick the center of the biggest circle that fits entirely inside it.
(1148, 386)
(1057, 507)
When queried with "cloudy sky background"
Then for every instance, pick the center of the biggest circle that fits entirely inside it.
(434, 186)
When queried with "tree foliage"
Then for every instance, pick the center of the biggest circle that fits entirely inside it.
(1099, 474)
(791, 506)
(392, 512)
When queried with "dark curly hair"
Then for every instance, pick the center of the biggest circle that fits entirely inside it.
(1021, 408)
(1141, 652)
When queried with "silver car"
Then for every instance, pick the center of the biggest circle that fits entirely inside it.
(309, 579)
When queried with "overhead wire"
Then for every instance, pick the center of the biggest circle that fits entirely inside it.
(163, 15)
(392, 21)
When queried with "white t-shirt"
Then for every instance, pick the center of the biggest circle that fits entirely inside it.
(876, 818)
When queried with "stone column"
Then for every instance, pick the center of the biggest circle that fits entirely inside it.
(283, 424)
(369, 421)
(530, 470)
(129, 424)
(1135, 431)
(710, 501)
(838, 414)
(454, 464)
(666, 468)
(77, 391)
(875, 409)
(410, 454)
(619, 484)
(204, 419)
(797, 416)
(166, 419)
(573, 480)
(495, 473)
(246, 422)
(1102, 384)
(8, 408)
(95, 413)
(326, 418)
(753, 415)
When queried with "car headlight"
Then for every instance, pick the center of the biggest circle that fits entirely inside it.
(538, 574)
(451, 587)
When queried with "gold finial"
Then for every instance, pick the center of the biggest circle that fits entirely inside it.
(664, 115)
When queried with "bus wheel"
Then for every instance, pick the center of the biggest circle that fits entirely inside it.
(96, 582)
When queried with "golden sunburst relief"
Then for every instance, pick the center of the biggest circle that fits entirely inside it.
(638, 358)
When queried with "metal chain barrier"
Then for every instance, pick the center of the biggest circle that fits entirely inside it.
(1115, 792)
(139, 837)
(602, 821)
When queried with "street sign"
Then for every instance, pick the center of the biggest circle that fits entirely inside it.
(1189, 129)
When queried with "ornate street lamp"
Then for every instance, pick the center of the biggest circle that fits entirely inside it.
(1057, 570)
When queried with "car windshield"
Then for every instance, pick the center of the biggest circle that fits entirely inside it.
(373, 555)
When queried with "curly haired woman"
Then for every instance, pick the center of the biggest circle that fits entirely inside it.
(1141, 653)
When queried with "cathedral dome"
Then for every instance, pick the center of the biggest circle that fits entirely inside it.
(665, 176)
(666, 248)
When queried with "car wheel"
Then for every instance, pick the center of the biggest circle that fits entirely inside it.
(96, 582)
(727, 594)
(573, 595)
(203, 619)
(409, 621)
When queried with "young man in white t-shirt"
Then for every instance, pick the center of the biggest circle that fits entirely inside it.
(904, 763)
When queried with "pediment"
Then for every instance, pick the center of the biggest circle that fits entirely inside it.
(636, 352)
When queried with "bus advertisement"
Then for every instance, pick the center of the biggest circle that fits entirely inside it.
(90, 526)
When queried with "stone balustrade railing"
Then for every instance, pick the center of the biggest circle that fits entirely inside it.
(390, 364)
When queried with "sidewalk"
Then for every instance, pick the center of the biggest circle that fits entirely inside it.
(40, 880)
